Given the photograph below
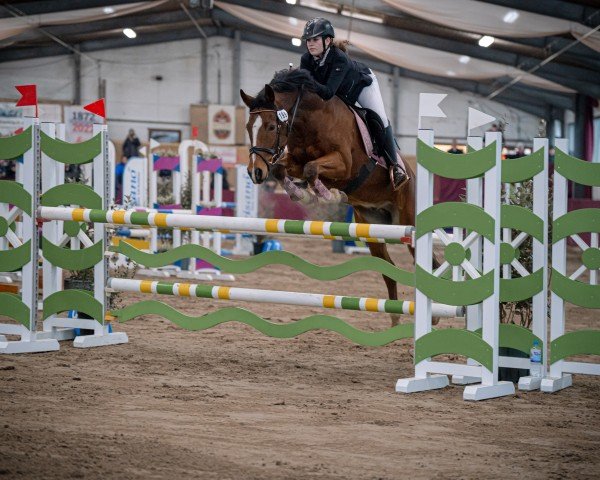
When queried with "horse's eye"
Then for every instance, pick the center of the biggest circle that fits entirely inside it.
(271, 127)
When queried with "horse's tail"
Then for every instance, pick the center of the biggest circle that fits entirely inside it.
(342, 44)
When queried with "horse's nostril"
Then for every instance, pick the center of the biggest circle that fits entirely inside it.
(258, 174)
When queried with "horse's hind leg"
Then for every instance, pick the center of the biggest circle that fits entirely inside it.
(380, 250)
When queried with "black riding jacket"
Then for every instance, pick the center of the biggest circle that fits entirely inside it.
(338, 75)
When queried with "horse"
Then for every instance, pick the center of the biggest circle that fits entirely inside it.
(295, 134)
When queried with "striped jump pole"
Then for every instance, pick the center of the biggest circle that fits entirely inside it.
(360, 231)
(279, 297)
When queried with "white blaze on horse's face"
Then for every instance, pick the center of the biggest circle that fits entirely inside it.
(262, 131)
(254, 128)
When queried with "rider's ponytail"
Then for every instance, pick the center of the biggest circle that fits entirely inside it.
(342, 44)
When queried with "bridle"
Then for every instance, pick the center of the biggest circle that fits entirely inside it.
(282, 118)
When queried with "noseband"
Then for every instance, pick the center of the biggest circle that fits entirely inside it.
(282, 118)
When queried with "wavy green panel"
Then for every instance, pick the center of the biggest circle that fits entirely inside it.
(11, 306)
(578, 293)
(15, 146)
(72, 194)
(71, 153)
(15, 258)
(457, 341)
(516, 170)
(521, 288)
(455, 214)
(581, 342)
(80, 300)
(577, 170)
(250, 264)
(515, 336)
(72, 259)
(13, 193)
(523, 219)
(583, 220)
(469, 165)
(467, 292)
(275, 330)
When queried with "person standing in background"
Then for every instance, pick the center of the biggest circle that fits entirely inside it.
(455, 148)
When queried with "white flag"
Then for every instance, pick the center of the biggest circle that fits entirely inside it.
(429, 105)
(142, 152)
(478, 119)
(153, 144)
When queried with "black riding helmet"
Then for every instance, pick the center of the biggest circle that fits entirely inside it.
(318, 27)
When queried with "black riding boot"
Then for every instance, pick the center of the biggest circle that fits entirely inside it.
(397, 174)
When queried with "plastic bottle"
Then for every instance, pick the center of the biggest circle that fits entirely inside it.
(535, 360)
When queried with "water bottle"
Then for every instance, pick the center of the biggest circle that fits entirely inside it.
(535, 360)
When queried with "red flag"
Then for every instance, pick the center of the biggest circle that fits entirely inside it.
(19, 130)
(97, 108)
(28, 96)
(194, 132)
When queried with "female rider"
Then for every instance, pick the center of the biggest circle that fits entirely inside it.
(352, 81)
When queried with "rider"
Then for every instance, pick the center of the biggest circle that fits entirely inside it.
(352, 81)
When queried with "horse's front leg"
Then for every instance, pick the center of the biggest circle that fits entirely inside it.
(331, 166)
(283, 171)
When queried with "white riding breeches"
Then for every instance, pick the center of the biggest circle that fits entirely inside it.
(370, 97)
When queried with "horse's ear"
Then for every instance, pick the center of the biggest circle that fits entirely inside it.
(269, 94)
(247, 99)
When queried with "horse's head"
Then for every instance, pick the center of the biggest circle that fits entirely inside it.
(272, 115)
(267, 129)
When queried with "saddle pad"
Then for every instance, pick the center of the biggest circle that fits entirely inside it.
(366, 138)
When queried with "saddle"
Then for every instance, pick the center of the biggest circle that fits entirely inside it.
(372, 132)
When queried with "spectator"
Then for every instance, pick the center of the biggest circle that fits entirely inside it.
(131, 145)
(455, 148)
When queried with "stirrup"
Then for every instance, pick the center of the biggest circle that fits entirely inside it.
(406, 178)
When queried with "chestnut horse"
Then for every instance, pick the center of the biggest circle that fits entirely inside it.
(325, 149)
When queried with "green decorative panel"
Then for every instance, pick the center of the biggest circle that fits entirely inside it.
(455, 254)
(515, 170)
(579, 171)
(521, 288)
(581, 342)
(80, 300)
(508, 253)
(455, 214)
(71, 194)
(467, 292)
(251, 264)
(469, 165)
(275, 330)
(12, 307)
(15, 258)
(456, 341)
(575, 292)
(15, 146)
(71, 153)
(591, 258)
(578, 221)
(523, 219)
(72, 259)
(13, 193)
(515, 336)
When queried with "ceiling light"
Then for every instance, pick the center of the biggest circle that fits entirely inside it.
(293, 21)
(129, 33)
(296, 42)
(108, 10)
(464, 59)
(451, 73)
(486, 41)
(317, 5)
(511, 16)
(291, 2)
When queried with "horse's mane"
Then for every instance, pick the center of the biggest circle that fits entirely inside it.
(286, 80)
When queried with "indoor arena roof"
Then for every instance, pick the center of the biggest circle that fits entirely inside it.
(542, 54)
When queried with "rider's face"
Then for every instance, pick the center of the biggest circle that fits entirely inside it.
(315, 46)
